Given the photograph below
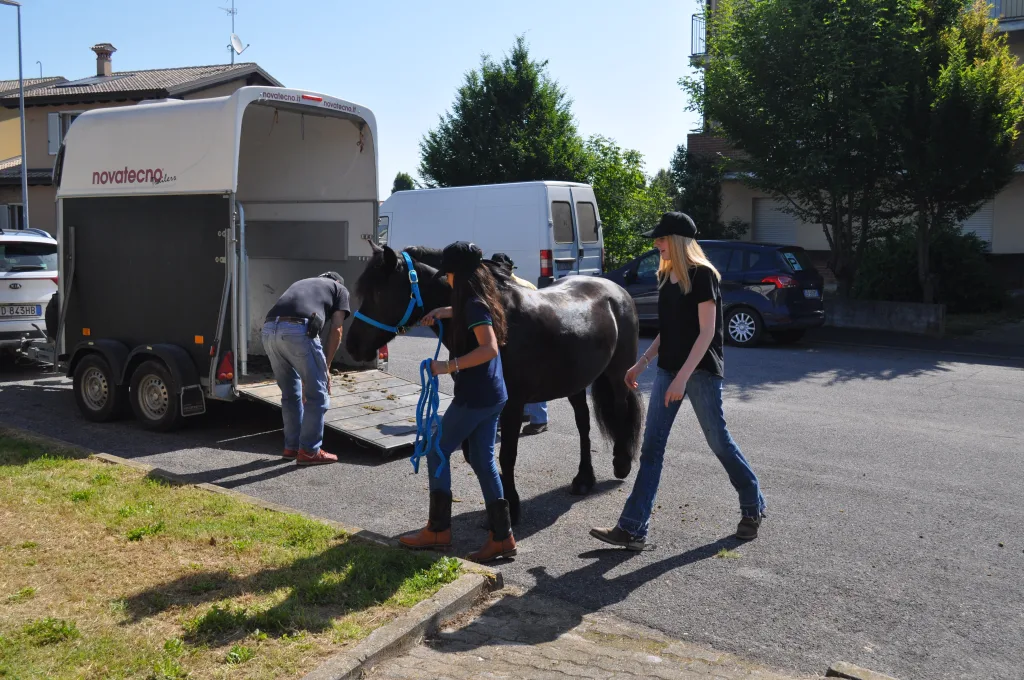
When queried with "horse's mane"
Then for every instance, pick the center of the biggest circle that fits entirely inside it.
(374, 274)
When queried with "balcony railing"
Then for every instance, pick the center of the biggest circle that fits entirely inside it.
(1007, 9)
(698, 36)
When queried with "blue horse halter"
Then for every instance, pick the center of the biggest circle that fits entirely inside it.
(415, 300)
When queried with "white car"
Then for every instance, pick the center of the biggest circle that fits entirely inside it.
(28, 279)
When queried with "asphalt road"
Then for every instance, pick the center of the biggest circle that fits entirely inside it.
(893, 482)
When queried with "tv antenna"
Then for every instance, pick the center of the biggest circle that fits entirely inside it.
(235, 43)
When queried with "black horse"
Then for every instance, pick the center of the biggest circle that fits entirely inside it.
(580, 332)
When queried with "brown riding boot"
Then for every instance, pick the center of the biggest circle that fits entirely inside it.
(437, 535)
(500, 543)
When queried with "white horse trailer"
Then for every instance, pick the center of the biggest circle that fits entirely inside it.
(180, 224)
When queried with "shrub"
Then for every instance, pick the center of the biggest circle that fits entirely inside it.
(965, 281)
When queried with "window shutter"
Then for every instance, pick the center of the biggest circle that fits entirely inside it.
(53, 132)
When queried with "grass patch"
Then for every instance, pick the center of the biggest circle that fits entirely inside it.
(153, 580)
(22, 595)
(726, 554)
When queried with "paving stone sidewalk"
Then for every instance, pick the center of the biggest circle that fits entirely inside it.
(527, 636)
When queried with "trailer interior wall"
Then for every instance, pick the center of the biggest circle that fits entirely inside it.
(308, 185)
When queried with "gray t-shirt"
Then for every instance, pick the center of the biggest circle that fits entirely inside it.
(321, 295)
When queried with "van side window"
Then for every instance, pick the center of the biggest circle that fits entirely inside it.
(587, 218)
(382, 230)
(561, 215)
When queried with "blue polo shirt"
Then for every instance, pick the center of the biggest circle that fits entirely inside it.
(484, 385)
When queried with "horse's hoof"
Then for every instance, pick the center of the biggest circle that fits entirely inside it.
(581, 488)
(622, 471)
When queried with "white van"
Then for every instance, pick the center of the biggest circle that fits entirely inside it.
(549, 229)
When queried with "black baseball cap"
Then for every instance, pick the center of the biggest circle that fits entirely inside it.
(460, 257)
(503, 259)
(673, 224)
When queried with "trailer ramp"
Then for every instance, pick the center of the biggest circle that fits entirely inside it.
(374, 408)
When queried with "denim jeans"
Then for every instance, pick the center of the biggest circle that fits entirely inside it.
(480, 427)
(538, 413)
(704, 391)
(300, 369)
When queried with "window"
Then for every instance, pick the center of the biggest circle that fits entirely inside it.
(26, 256)
(561, 215)
(57, 126)
(719, 258)
(736, 261)
(12, 216)
(382, 230)
(760, 260)
(647, 268)
(587, 218)
(796, 260)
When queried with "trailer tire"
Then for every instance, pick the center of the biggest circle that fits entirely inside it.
(154, 397)
(97, 394)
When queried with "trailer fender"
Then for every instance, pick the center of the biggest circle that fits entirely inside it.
(177, 360)
(115, 352)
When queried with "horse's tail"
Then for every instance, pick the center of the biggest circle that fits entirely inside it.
(619, 413)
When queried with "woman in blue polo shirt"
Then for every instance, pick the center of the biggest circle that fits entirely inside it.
(478, 320)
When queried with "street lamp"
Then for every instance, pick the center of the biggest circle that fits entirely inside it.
(21, 108)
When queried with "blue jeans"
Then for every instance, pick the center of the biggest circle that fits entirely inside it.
(538, 413)
(480, 427)
(704, 391)
(300, 369)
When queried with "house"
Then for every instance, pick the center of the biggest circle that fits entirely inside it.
(999, 222)
(52, 104)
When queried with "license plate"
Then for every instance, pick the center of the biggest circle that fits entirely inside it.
(813, 294)
(12, 311)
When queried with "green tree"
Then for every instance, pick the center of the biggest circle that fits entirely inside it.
(964, 103)
(629, 204)
(510, 122)
(699, 181)
(403, 182)
(809, 91)
(664, 180)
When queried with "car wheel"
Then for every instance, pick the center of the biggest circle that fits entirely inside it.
(743, 327)
(154, 397)
(788, 337)
(99, 397)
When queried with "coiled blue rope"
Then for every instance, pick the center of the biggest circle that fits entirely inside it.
(428, 420)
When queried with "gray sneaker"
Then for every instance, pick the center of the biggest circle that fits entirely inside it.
(616, 536)
(534, 428)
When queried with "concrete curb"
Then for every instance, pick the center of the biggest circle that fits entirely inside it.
(404, 632)
(841, 669)
(392, 638)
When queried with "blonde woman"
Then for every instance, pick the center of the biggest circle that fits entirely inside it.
(690, 362)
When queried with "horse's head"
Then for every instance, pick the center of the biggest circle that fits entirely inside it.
(384, 292)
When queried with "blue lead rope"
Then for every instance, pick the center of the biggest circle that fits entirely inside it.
(428, 420)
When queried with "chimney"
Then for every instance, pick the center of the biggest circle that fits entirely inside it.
(103, 63)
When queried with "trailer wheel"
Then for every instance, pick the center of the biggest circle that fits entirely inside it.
(154, 397)
(99, 397)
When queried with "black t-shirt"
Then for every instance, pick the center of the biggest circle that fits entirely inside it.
(321, 295)
(483, 385)
(680, 325)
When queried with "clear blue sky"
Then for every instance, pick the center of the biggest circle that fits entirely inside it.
(404, 60)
